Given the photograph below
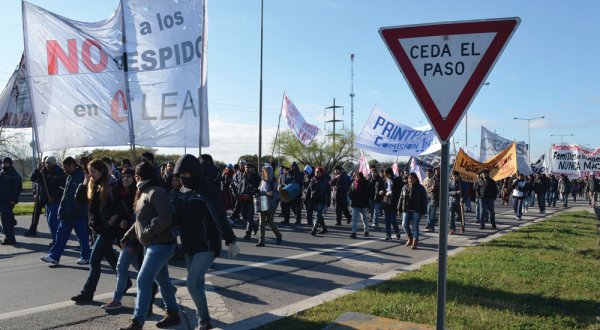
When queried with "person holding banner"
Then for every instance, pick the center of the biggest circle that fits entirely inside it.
(519, 190)
(412, 204)
(391, 195)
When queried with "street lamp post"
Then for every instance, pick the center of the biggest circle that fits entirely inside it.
(561, 136)
(528, 134)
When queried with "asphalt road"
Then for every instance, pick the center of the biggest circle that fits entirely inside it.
(259, 281)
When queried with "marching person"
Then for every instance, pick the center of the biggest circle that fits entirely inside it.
(97, 191)
(308, 175)
(341, 184)
(454, 190)
(153, 229)
(376, 182)
(412, 204)
(319, 192)
(519, 189)
(49, 177)
(244, 184)
(432, 186)
(359, 199)
(540, 187)
(11, 186)
(391, 195)
(295, 205)
(203, 225)
(488, 191)
(266, 197)
(72, 215)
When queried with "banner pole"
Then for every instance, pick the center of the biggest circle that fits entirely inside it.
(278, 126)
(126, 81)
(443, 239)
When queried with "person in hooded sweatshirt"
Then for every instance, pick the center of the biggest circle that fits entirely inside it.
(266, 198)
(202, 222)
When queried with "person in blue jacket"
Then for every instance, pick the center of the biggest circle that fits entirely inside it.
(11, 185)
(72, 215)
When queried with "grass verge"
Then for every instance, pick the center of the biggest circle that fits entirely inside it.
(23, 209)
(544, 276)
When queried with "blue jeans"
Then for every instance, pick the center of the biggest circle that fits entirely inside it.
(360, 212)
(455, 214)
(565, 199)
(52, 218)
(411, 218)
(376, 206)
(487, 211)
(390, 220)
(126, 258)
(479, 213)
(155, 266)
(102, 249)
(197, 265)
(320, 221)
(467, 202)
(8, 221)
(431, 213)
(65, 227)
(518, 206)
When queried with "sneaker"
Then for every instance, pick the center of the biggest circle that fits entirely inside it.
(112, 305)
(322, 231)
(366, 233)
(49, 259)
(388, 238)
(82, 261)
(7, 242)
(451, 232)
(353, 235)
(205, 326)
(278, 241)
(134, 324)
(430, 230)
(398, 235)
(171, 318)
(82, 297)
(260, 244)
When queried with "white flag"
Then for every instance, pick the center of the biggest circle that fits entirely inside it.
(492, 144)
(304, 131)
(384, 135)
(364, 164)
(15, 105)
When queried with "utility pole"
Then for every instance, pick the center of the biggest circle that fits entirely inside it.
(352, 96)
(334, 107)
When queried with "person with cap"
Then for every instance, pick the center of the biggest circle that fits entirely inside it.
(11, 186)
(308, 175)
(293, 176)
(341, 185)
(203, 225)
(72, 215)
(50, 178)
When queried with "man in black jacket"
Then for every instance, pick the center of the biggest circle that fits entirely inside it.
(11, 185)
(488, 191)
(50, 178)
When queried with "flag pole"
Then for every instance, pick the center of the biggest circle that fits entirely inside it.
(203, 97)
(278, 126)
(260, 99)
(126, 81)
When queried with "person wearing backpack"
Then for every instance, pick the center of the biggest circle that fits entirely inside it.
(266, 200)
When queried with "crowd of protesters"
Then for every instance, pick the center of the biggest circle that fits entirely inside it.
(143, 209)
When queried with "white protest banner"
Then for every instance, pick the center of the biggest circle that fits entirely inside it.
(575, 161)
(15, 105)
(304, 131)
(76, 80)
(384, 135)
(166, 57)
(492, 144)
(415, 168)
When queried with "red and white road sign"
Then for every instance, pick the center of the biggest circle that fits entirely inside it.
(445, 64)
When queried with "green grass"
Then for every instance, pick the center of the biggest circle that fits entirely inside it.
(545, 276)
(23, 209)
(27, 184)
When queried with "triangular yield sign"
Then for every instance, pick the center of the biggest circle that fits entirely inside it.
(445, 64)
